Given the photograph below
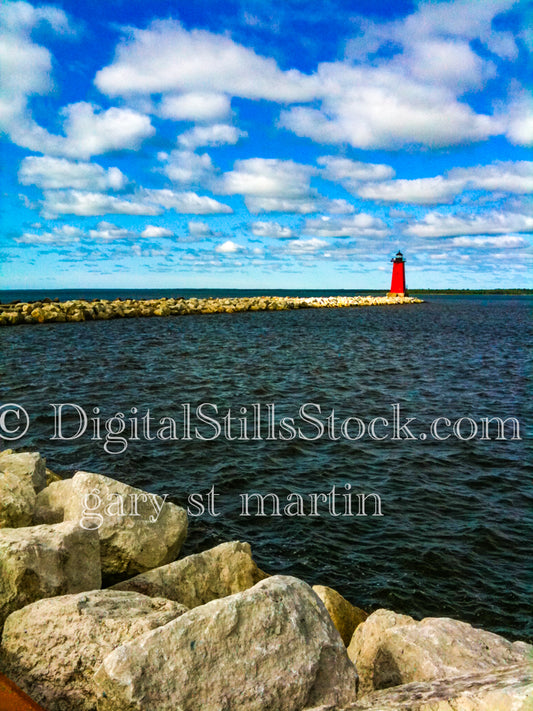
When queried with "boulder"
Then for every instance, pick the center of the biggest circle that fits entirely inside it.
(50, 502)
(502, 689)
(134, 537)
(270, 648)
(389, 650)
(26, 465)
(45, 561)
(52, 647)
(17, 500)
(346, 617)
(225, 570)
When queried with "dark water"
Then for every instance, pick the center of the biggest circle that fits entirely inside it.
(455, 537)
(6, 296)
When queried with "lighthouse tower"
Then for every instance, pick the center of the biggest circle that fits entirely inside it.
(397, 287)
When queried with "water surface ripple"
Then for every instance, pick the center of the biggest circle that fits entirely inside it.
(455, 537)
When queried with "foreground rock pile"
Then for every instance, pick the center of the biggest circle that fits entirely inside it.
(210, 631)
(101, 309)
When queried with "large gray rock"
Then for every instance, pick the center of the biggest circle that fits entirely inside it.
(17, 500)
(270, 648)
(131, 540)
(502, 689)
(45, 561)
(52, 647)
(50, 502)
(389, 650)
(225, 570)
(26, 465)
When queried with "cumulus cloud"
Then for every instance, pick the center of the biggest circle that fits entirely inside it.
(228, 247)
(75, 202)
(195, 106)
(500, 176)
(504, 177)
(306, 246)
(188, 167)
(218, 134)
(152, 231)
(55, 173)
(436, 224)
(26, 71)
(60, 235)
(422, 191)
(360, 225)
(108, 232)
(25, 67)
(297, 206)
(168, 58)
(199, 230)
(271, 229)
(519, 117)
(504, 242)
(374, 107)
(91, 131)
(268, 177)
(273, 185)
(187, 203)
(351, 172)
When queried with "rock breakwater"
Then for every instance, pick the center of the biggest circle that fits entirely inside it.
(209, 631)
(48, 311)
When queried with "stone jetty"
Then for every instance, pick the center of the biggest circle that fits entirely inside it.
(48, 311)
(209, 631)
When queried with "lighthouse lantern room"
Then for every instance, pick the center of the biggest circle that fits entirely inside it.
(397, 287)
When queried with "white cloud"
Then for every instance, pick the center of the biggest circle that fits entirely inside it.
(25, 67)
(152, 231)
(371, 107)
(199, 107)
(454, 19)
(436, 224)
(25, 71)
(297, 206)
(188, 167)
(90, 131)
(351, 172)
(271, 229)
(448, 62)
(360, 225)
(75, 202)
(508, 176)
(306, 246)
(61, 235)
(108, 232)
(520, 119)
(168, 58)
(199, 230)
(504, 242)
(273, 185)
(54, 173)
(218, 134)
(21, 17)
(268, 177)
(187, 203)
(228, 247)
(422, 191)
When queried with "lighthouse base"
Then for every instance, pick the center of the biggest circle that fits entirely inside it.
(394, 294)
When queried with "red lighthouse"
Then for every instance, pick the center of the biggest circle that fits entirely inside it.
(397, 287)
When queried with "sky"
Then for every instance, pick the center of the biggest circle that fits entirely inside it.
(237, 144)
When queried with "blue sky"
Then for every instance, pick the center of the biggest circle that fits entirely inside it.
(208, 144)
